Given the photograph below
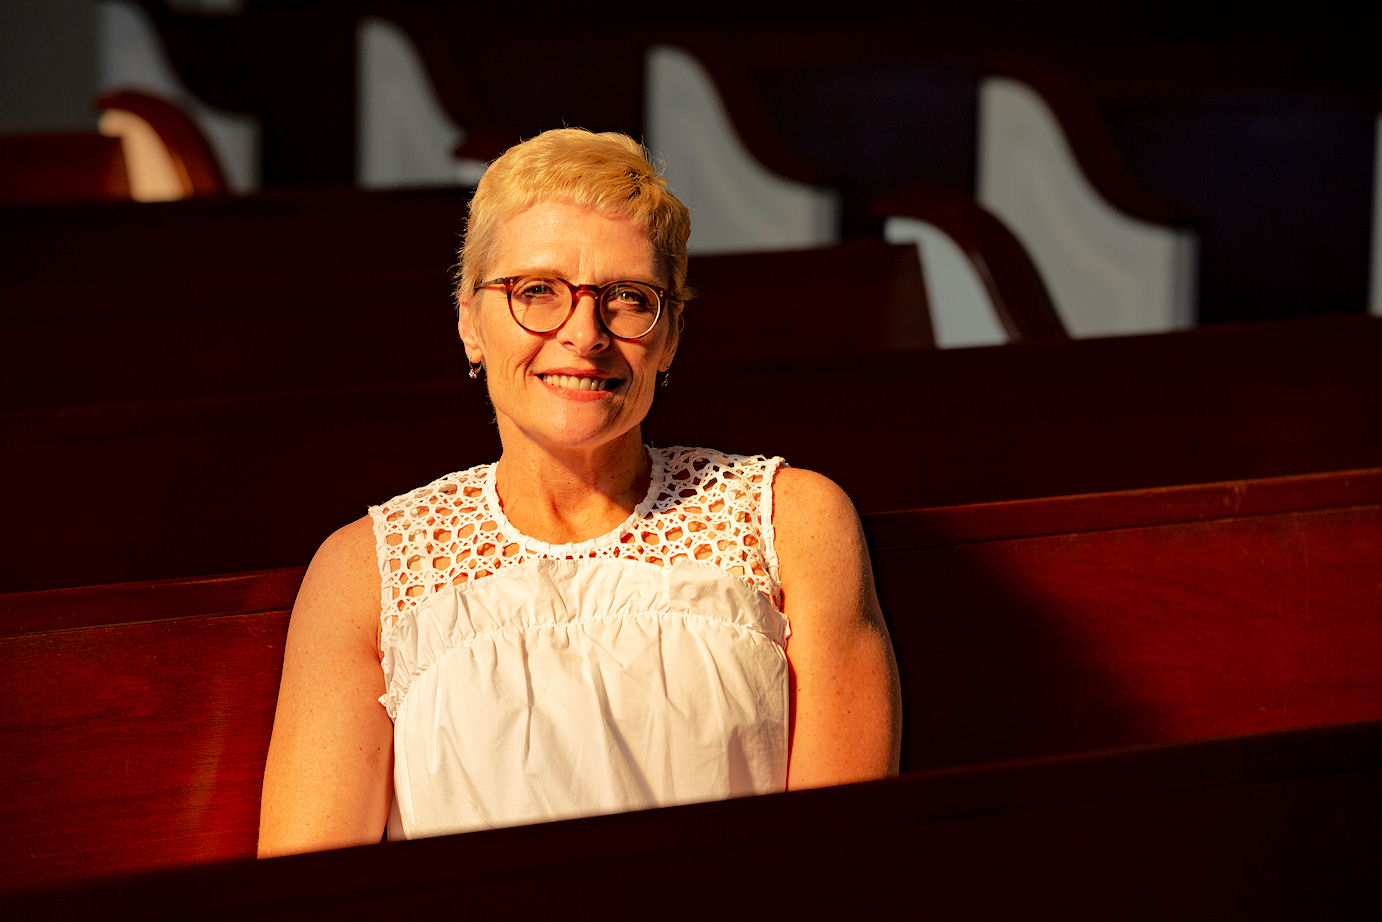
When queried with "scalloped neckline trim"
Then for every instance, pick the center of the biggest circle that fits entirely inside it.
(656, 476)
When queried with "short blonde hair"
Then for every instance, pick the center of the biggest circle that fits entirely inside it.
(608, 171)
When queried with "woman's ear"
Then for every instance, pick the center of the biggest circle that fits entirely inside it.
(678, 326)
(465, 325)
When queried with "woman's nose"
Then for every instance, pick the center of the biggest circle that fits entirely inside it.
(584, 331)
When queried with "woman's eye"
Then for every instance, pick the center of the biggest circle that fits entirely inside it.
(535, 291)
(629, 299)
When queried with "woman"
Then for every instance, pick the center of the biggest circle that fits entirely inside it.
(588, 625)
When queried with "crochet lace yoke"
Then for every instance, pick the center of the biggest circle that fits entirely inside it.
(701, 505)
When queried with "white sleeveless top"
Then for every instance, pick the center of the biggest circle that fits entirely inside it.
(532, 682)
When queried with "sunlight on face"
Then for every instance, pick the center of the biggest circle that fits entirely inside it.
(578, 388)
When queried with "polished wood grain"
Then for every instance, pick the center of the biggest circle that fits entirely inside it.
(152, 600)
(1067, 623)
(1022, 630)
(135, 746)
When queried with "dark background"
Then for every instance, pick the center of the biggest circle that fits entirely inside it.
(1260, 124)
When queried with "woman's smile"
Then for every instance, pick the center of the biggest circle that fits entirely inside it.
(584, 386)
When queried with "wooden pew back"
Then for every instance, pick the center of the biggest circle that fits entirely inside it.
(136, 738)
(305, 233)
(1069, 623)
(136, 746)
(166, 301)
(286, 295)
(140, 722)
(191, 485)
(61, 168)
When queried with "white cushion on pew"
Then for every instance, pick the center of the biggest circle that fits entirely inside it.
(404, 136)
(736, 203)
(961, 312)
(1108, 273)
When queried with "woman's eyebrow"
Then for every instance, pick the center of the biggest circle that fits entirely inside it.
(649, 278)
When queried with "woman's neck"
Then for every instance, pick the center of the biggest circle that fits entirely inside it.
(561, 497)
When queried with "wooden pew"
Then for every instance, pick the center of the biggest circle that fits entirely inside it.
(1067, 623)
(239, 308)
(1279, 826)
(146, 301)
(1023, 630)
(315, 233)
(44, 610)
(1232, 98)
(167, 154)
(213, 485)
(150, 389)
(1014, 292)
(48, 169)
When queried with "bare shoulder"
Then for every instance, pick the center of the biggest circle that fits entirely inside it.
(823, 558)
(349, 552)
(813, 515)
(802, 483)
(342, 585)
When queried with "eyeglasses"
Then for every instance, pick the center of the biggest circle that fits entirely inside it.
(543, 304)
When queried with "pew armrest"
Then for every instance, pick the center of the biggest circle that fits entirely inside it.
(167, 154)
(1014, 288)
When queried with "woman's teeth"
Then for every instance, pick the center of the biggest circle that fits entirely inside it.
(579, 384)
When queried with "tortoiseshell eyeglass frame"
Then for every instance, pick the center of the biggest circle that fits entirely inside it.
(598, 291)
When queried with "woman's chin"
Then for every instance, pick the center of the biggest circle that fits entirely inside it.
(577, 434)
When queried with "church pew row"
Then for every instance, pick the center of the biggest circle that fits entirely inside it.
(55, 168)
(257, 322)
(1061, 624)
(321, 231)
(140, 718)
(178, 487)
(1284, 825)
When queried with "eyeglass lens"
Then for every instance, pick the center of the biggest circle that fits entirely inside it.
(629, 309)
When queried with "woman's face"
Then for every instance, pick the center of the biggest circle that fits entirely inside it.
(577, 388)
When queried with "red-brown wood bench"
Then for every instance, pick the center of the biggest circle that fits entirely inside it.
(188, 485)
(1282, 825)
(1066, 623)
(52, 169)
(139, 716)
(273, 318)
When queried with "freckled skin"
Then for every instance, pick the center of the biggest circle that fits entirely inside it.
(584, 246)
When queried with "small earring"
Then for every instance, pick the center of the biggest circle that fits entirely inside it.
(665, 375)
(475, 370)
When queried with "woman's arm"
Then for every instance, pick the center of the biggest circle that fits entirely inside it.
(846, 702)
(328, 780)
